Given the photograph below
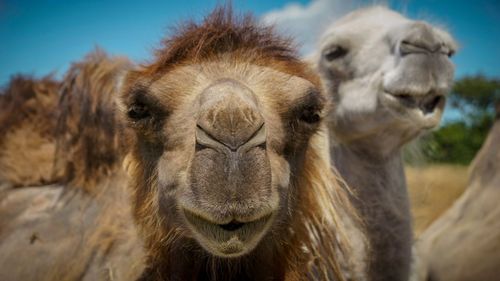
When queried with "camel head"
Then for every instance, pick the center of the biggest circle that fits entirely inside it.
(388, 75)
(222, 123)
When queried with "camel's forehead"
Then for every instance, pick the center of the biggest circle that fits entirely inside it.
(268, 84)
(374, 22)
(375, 18)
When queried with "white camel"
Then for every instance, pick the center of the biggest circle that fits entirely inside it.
(388, 77)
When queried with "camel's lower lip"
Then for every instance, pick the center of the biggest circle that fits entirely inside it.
(229, 238)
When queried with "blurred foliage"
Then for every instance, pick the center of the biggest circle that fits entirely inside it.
(458, 141)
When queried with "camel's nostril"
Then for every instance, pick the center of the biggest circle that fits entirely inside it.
(262, 146)
(431, 104)
(406, 100)
(232, 226)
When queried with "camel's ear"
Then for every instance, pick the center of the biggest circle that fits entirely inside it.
(311, 60)
(128, 164)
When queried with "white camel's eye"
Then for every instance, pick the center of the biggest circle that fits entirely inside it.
(334, 53)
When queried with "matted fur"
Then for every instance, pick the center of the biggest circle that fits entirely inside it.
(28, 114)
(89, 140)
(314, 246)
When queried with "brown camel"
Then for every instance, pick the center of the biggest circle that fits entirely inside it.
(388, 76)
(28, 115)
(464, 243)
(227, 176)
(79, 229)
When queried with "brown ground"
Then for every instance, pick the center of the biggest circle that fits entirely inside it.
(433, 188)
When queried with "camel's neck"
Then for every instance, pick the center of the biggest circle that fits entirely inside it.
(367, 171)
(379, 182)
(380, 186)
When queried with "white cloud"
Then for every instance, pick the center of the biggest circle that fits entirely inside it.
(306, 22)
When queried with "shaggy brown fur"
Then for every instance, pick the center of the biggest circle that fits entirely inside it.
(32, 120)
(28, 112)
(81, 230)
(310, 242)
(194, 43)
(89, 140)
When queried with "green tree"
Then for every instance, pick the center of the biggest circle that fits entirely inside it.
(458, 141)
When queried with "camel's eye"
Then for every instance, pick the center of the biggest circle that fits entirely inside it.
(138, 111)
(334, 53)
(146, 112)
(144, 107)
(309, 110)
(310, 115)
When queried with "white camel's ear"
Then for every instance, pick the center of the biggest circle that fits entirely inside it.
(311, 59)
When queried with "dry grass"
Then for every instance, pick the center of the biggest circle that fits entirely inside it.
(432, 189)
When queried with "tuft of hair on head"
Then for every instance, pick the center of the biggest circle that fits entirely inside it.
(223, 33)
(90, 142)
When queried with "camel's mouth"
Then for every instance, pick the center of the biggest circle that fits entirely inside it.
(427, 103)
(231, 239)
(426, 108)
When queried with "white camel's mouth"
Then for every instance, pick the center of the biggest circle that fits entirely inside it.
(427, 109)
(427, 103)
(231, 239)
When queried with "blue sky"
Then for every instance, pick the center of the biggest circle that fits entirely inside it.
(39, 37)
